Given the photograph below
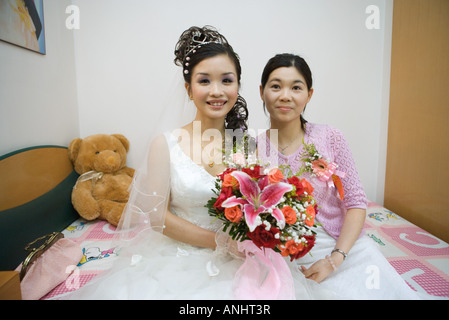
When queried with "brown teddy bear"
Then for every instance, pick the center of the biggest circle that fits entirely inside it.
(102, 188)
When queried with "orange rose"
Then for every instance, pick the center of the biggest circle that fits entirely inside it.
(289, 214)
(310, 212)
(234, 214)
(297, 250)
(291, 248)
(307, 186)
(230, 181)
(275, 175)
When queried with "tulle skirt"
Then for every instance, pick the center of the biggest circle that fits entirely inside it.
(364, 274)
(157, 267)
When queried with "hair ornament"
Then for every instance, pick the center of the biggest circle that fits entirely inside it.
(200, 37)
(192, 40)
(195, 45)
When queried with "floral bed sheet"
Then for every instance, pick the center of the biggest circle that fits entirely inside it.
(418, 256)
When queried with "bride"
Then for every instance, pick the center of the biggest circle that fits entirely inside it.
(170, 248)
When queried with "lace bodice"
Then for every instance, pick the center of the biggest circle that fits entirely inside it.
(191, 187)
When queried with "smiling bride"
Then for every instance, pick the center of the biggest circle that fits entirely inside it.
(170, 247)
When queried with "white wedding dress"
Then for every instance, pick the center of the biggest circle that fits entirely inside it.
(162, 268)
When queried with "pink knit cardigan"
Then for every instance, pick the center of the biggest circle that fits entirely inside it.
(332, 145)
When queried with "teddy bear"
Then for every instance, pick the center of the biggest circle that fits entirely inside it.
(102, 188)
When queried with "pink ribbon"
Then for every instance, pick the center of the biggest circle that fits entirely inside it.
(264, 275)
(326, 175)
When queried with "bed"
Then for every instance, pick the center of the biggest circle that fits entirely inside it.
(418, 256)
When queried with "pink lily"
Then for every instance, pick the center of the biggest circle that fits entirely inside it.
(255, 201)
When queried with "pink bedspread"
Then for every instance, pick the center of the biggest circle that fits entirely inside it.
(418, 256)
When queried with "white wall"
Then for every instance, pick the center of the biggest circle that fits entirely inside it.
(124, 68)
(124, 54)
(38, 103)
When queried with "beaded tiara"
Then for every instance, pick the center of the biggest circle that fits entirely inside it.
(199, 39)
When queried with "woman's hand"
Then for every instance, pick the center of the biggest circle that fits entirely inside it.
(321, 269)
(318, 271)
(352, 226)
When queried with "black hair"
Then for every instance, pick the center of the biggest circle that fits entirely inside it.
(196, 44)
(288, 60)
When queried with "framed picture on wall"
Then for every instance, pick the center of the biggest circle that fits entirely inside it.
(22, 24)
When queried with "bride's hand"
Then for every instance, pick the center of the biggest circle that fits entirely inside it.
(225, 244)
(233, 250)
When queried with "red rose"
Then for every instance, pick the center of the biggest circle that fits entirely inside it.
(298, 185)
(226, 192)
(255, 173)
(310, 243)
(263, 238)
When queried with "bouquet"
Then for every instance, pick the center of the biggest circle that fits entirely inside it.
(269, 206)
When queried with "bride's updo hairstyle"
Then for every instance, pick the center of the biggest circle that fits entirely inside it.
(196, 44)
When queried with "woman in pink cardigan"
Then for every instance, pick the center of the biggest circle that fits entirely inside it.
(342, 259)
